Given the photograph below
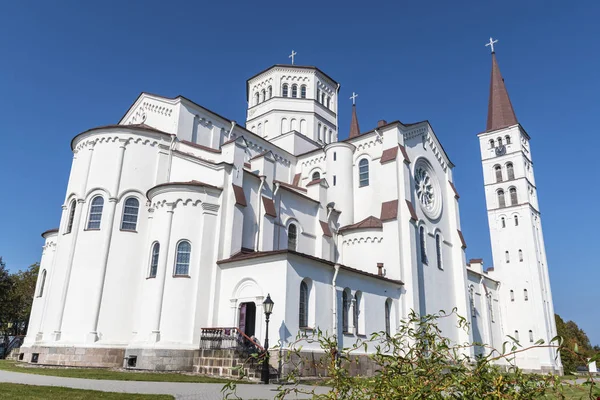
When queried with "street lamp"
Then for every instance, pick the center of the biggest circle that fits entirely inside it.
(268, 307)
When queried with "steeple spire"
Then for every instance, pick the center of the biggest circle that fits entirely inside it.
(500, 110)
(354, 129)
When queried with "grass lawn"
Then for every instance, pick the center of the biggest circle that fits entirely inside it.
(10, 391)
(573, 392)
(108, 374)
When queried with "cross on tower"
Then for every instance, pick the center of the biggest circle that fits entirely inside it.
(292, 56)
(491, 44)
(353, 98)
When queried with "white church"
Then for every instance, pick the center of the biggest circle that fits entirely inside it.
(178, 222)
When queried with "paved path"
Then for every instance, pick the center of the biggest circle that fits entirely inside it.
(181, 390)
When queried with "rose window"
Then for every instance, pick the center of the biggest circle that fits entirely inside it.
(425, 190)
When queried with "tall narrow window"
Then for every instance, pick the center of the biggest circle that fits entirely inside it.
(334, 156)
(356, 312)
(95, 213)
(334, 180)
(503, 221)
(130, 214)
(330, 136)
(507, 139)
(71, 216)
(507, 256)
(292, 237)
(422, 243)
(42, 283)
(530, 336)
(294, 123)
(303, 126)
(512, 295)
(517, 336)
(492, 143)
(513, 196)
(363, 172)
(303, 311)
(498, 170)
(510, 171)
(490, 305)
(316, 175)
(328, 100)
(319, 132)
(154, 260)
(501, 200)
(182, 263)
(270, 91)
(285, 126)
(345, 306)
(499, 141)
(388, 315)
(263, 95)
(259, 130)
(525, 295)
(303, 91)
(324, 133)
(318, 94)
(294, 91)
(284, 91)
(520, 255)
(438, 248)
(472, 301)
(322, 97)
(516, 220)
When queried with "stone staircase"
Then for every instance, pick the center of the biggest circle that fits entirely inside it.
(229, 363)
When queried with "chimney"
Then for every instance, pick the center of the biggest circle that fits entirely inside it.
(380, 269)
(381, 123)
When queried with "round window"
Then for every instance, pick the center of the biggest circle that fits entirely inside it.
(427, 189)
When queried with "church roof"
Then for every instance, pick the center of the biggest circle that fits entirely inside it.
(142, 127)
(292, 66)
(500, 109)
(354, 128)
(367, 223)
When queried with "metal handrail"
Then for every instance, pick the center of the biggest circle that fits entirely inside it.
(240, 335)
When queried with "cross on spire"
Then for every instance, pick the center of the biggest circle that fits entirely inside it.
(491, 44)
(353, 98)
(292, 56)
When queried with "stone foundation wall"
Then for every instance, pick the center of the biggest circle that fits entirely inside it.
(225, 363)
(312, 364)
(160, 359)
(74, 356)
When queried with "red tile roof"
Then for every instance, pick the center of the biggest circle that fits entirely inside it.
(411, 210)
(325, 228)
(199, 146)
(296, 180)
(240, 198)
(404, 154)
(389, 210)
(500, 109)
(389, 155)
(314, 182)
(269, 206)
(367, 223)
(290, 186)
(354, 129)
(462, 239)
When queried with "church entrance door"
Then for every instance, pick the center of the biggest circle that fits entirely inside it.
(248, 318)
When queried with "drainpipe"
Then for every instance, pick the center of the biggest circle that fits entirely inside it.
(171, 147)
(334, 297)
(259, 216)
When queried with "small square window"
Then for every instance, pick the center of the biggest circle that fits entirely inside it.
(35, 357)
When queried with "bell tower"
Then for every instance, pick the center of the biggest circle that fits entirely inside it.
(518, 251)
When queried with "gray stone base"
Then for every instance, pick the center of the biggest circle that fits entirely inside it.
(74, 356)
(160, 359)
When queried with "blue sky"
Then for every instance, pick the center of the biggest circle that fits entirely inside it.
(67, 66)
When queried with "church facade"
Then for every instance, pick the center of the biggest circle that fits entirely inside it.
(177, 220)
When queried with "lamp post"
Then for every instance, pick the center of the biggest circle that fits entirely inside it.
(268, 307)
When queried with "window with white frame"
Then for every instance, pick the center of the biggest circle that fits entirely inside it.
(510, 171)
(284, 90)
(363, 173)
(270, 91)
(358, 313)
(292, 237)
(95, 216)
(530, 336)
(294, 90)
(345, 309)
(316, 175)
(472, 301)
(501, 199)
(303, 91)
(256, 98)
(71, 216)
(525, 295)
(42, 283)
(182, 262)
(498, 170)
(422, 243)
(507, 256)
(438, 248)
(388, 317)
(130, 214)
(516, 220)
(503, 221)
(154, 260)
(303, 311)
(520, 255)
(512, 295)
(513, 196)
(517, 336)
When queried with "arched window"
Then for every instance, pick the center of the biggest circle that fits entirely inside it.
(525, 295)
(517, 336)
(71, 216)
(345, 307)
(42, 283)
(270, 89)
(95, 213)
(516, 220)
(285, 127)
(507, 256)
(363, 172)
(422, 242)
(318, 94)
(182, 263)
(294, 123)
(507, 139)
(501, 200)
(256, 99)
(357, 312)
(322, 97)
(319, 132)
(499, 141)
(316, 175)
(530, 336)
(284, 91)
(498, 170)
(328, 100)
(510, 171)
(303, 126)
(472, 301)
(513, 196)
(503, 222)
(259, 130)
(438, 248)
(130, 214)
(154, 260)
(294, 91)
(330, 136)
(492, 143)
(303, 91)
(520, 255)
(292, 237)
(303, 311)
(263, 95)
(512, 295)
(388, 316)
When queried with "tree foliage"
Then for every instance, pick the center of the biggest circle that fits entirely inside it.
(574, 338)
(418, 362)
